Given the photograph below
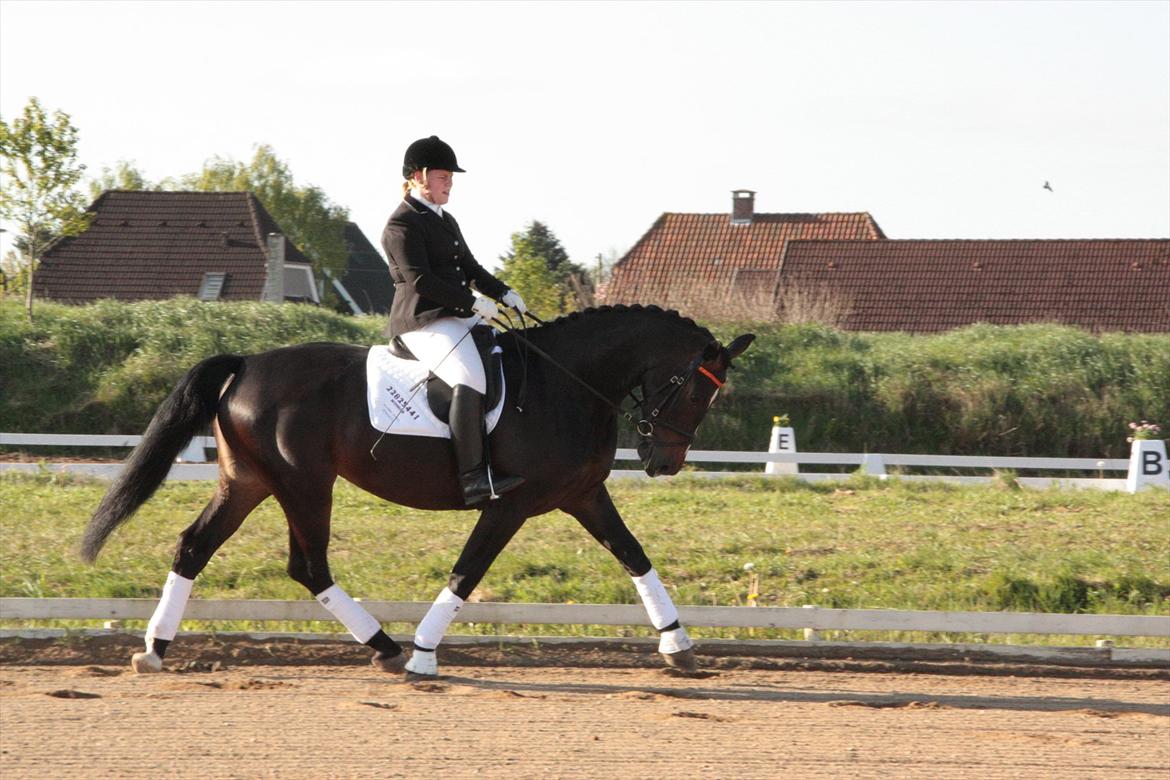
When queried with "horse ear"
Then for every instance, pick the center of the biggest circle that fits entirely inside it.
(738, 345)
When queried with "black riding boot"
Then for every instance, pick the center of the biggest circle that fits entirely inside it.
(470, 439)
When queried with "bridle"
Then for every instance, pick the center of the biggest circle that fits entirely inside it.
(645, 426)
(648, 422)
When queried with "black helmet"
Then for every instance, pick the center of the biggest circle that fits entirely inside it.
(429, 153)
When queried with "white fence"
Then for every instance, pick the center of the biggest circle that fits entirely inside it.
(192, 466)
(813, 618)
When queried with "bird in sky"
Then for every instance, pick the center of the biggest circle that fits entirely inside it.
(1048, 187)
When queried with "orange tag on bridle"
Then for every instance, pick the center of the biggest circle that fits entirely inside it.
(710, 376)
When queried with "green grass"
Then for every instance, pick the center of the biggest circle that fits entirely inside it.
(861, 544)
(1037, 390)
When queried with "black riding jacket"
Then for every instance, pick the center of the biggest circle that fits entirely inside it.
(432, 268)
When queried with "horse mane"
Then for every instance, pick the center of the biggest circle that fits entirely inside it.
(650, 309)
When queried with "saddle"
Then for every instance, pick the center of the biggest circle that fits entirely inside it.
(439, 392)
(397, 384)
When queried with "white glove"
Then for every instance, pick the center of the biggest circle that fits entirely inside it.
(513, 300)
(486, 308)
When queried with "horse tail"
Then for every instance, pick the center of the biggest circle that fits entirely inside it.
(188, 409)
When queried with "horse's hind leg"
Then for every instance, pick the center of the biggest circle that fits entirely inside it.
(217, 522)
(600, 518)
(308, 564)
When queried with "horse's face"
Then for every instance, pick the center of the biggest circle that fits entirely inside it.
(676, 400)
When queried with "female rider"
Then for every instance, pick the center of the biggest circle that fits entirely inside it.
(434, 308)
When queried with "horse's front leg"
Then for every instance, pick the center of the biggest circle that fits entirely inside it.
(495, 528)
(601, 519)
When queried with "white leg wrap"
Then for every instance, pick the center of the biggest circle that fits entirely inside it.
(674, 641)
(349, 613)
(164, 623)
(434, 625)
(658, 604)
(423, 662)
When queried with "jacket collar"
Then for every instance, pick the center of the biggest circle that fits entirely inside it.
(421, 208)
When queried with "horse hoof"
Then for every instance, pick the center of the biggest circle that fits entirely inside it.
(423, 665)
(146, 663)
(392, 664)
(683, 660)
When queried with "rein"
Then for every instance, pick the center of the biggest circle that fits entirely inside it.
(645, 426)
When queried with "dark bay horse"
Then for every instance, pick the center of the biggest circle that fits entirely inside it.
(288, 422)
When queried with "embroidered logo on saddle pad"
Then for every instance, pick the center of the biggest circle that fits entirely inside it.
(396, 393)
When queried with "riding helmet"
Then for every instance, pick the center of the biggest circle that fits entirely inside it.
(429, 153)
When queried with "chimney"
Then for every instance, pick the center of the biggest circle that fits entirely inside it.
(274, 270)
(743, 206)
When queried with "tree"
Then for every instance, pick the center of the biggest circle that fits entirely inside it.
(530, 276)
(38, 175)
(123, 176)
(314, 224)
(538, 267)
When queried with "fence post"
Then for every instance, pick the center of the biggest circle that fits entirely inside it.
(1147, 465)
(783, 440)
(873, 465)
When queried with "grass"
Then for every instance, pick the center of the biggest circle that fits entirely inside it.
(1036, 390)
(863, 544)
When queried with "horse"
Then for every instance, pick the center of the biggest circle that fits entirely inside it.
(289, 421)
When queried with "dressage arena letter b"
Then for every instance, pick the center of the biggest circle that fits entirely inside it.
(1147, 465)
(1151, 463)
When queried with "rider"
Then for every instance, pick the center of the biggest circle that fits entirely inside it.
(434, 309)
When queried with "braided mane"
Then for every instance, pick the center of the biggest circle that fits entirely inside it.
(651, 309)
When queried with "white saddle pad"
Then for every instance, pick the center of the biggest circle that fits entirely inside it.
(397, 397)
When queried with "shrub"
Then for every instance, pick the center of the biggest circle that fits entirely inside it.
(1035, 390)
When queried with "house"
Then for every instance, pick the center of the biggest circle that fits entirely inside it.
(928, 286)
(842, 269)
(366, 286)
(703, 264)
(212, 245)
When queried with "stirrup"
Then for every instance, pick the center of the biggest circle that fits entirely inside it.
(479, 486)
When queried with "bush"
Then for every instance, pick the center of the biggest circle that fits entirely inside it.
(104, 368)
(1035, 390)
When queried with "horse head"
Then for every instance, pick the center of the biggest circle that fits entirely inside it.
(675, 401)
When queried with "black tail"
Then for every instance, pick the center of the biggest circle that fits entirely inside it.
(189, 407)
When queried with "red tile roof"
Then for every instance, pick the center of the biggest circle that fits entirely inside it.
(146, 244)
(926, 285)
(684, 254)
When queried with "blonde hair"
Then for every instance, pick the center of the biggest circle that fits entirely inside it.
(409, 183)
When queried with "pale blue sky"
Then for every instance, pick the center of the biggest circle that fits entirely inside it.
(943, 120)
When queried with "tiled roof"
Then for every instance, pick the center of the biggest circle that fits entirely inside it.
(683, 253)
(927, 285)
(146, 244)
(367, 277)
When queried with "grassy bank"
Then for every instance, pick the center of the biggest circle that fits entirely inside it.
(864, 544)
(1026, 391)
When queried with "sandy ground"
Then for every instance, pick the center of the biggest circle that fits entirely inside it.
(284, 710)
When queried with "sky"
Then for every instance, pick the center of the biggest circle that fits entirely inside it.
(941, 119)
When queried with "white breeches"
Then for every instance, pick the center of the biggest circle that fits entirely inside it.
(445, 347)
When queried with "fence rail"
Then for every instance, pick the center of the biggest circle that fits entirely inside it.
(814, 618)
(193, 466)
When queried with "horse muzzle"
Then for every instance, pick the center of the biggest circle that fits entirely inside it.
(661, 461)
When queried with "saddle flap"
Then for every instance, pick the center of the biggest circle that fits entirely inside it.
(399, 396)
